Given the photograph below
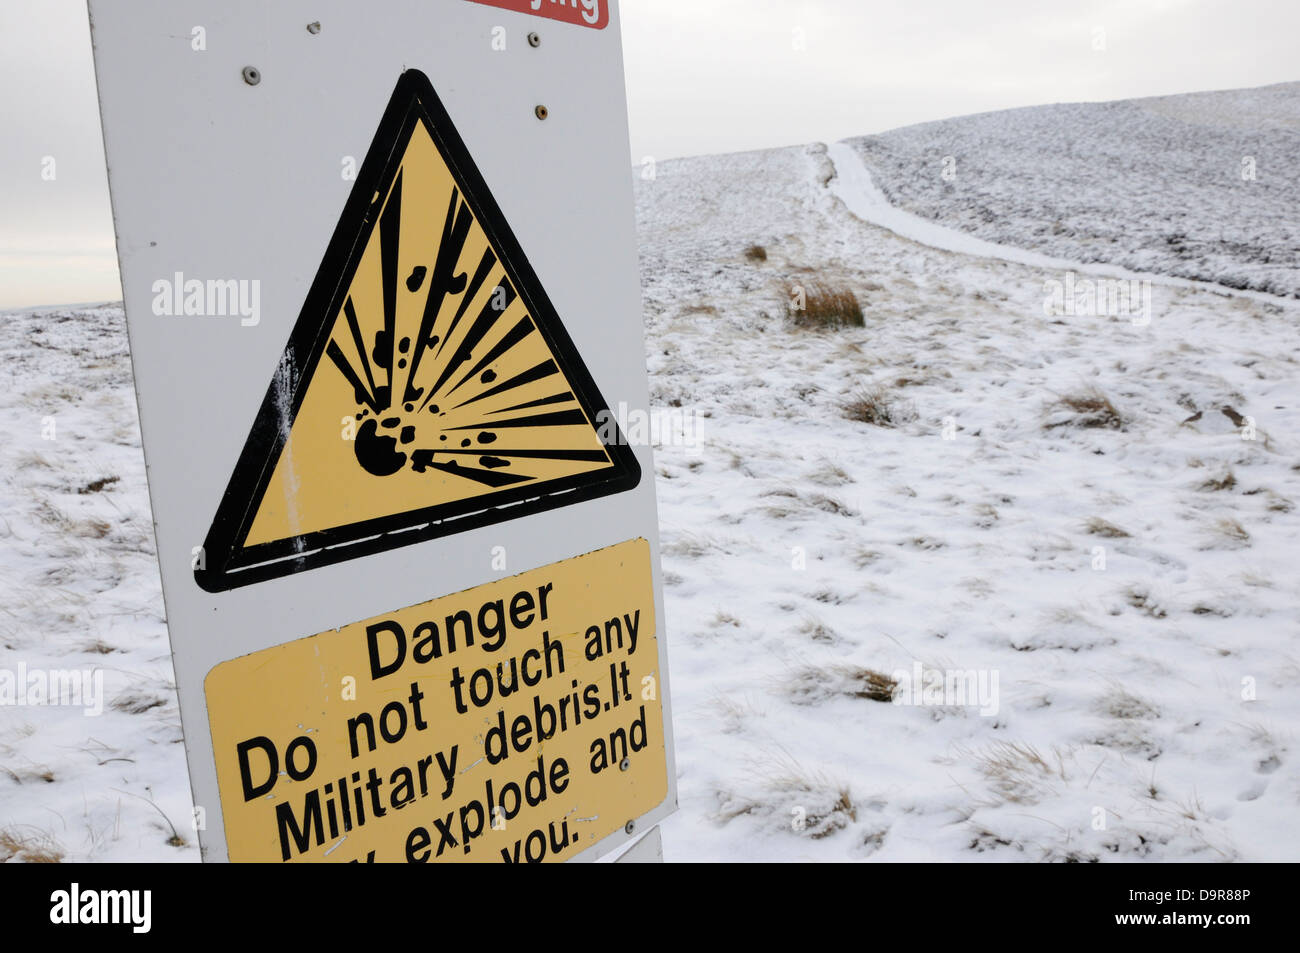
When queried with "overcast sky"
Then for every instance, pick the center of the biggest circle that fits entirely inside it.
(702, 76)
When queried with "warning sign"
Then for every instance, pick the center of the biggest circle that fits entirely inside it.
(518, 721)
(422, 408)
(428, 387)
(592, 13)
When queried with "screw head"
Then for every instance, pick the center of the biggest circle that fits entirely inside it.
(629, 827)
(252, 75)
(314, 27)
(534, 40)
(541, 112)
(625, 764)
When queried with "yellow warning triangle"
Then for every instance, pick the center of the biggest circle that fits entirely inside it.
(428, 387)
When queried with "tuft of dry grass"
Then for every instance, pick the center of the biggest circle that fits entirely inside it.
(1225, 482)
(45, 512)
(97, 486)
(29, 846)
(1142, 599)
(829, 504)
(137, 702)
(875, 406)
(829, 474)
(825, 307)
(812, 685)
(689, 546)
(1231, 530)
(1088, 409)
(813, 628)
(1120, 703)
(1019, 773)
(792, 505)
(791, 798)
(1100, 527)
(756, 253)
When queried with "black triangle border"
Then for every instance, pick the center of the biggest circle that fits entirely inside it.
(227, 563)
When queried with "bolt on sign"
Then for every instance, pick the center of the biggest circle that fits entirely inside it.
(380, 277)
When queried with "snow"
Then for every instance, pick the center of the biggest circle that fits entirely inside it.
(1201, 186)
(79, 591)
(808, 557)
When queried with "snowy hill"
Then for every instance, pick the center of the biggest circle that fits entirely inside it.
(1084, 521)
(1123, 575)
(1203, 186)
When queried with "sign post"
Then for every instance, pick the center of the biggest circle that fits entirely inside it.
(380, 277)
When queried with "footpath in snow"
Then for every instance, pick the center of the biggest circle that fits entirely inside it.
(854, 186)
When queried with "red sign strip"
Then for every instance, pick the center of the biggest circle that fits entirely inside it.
(592, 13)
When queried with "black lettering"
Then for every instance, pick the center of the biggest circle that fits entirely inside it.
(542, 593)
(617, 633)
(427, 645)
(563, 842)
(494, 742)
(559, 775)
(466, 832)
(457, 680)
(591, 701)
(290, 761)
(423, 766)
(639, 723)
(416, 842)
(395, 735)
(540, 854)
(363, 719)
(494, 634)
(595, 648)
(547, 647)
(536, 655)
(599, 757)
(521, 610)
(378, 669)
(539, 776)
(402, 780)
(633, 623)
(252, 790)
(448, 769)
(541, 711)
(487, 690)
(511, 789)
(416, 697)
(445, 836)
(467, 621)
(312, 821)
(519, 732)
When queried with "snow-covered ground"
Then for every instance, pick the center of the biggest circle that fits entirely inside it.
(1202, 185)
(79, 592)
(1123, 579)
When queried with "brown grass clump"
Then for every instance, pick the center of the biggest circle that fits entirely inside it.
(1225, 482)
(1089, 409)
(756, 253)
(813, 685)
(1099, 527)
(874, 406)
(29, 847)
(825, 307)
(1232, 530)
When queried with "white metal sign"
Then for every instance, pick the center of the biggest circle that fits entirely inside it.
(380, 277)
